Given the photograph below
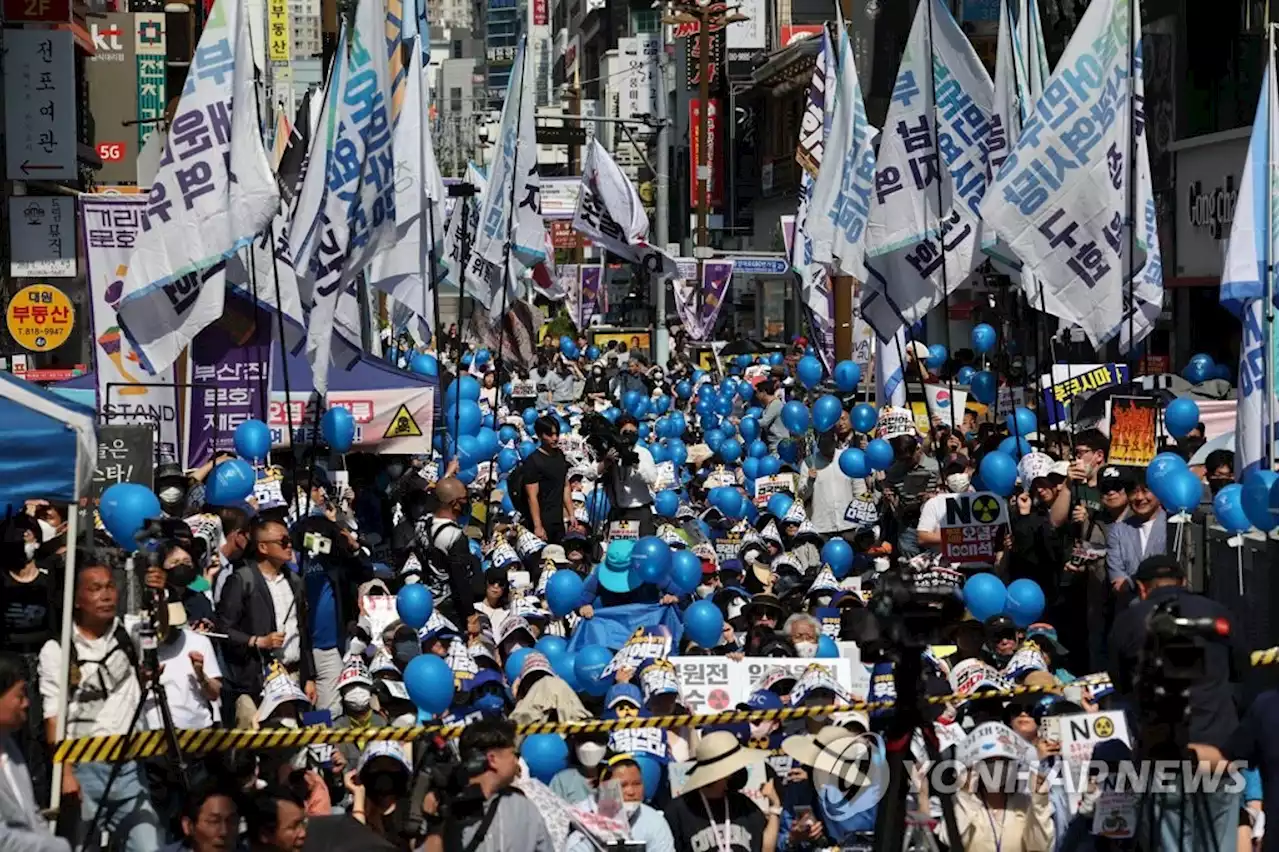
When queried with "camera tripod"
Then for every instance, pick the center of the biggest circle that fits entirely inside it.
(147, 671)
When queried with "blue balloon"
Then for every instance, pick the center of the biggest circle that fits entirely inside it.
(879, 454)
(462, 418)
(724, 405)
(515, 662)
(730, 450)
(999, 472)
(984, 596)
(1259, 499)
(414, 605)
(1180, 491)
(827, 648)
(481, 357)
(425, 364)
(488, 442)
(612, 413)
(727, 499)
(593, 352)
(568, 348)
(684, 389)
(686, 572)
(1180, 417)
(713, 438)
(1228, 508)
(789, 451)
(1161, 467)
(837, 555)
(253, 440)
(231, 481)
(508, 435)
(751, 468)
(429, 681)
(507, 460)
(466, 360)
(469, 387)
(467, 475)
(661, 404)
(853, 463)
(651, 559)
(779, 504)
(678, 451)
(982, 338)
(338, 428)
(965, 375)
(795, 416)
(1015, 446)
(757, 449)
(468, 447)
(1021, 422)
(984, 386)
(563, 667)
(631, 401)
(124, 508)
(847, 376)
(545, 755)
(552, 646)
(1222, 371)
(530, 416)
(527, 448)
(660, 453)
(1024, 602)
(809, 371)
(863, 417)
(666, 503)
(937, 356)
(1199, 369)
(826, 412)
(769, 465)
(776, 358)
(589, 667)
(678, 424)
(749, 428)
(704, 623)
(652, 771)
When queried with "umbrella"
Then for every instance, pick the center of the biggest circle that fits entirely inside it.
(342, 834)
(742, 346)
(1225, 441)
(1094, 408)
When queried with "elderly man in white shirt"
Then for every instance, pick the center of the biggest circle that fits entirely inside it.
(630, 486)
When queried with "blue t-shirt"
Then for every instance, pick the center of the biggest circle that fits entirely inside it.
(323, 609)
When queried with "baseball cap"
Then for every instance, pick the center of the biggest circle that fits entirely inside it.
(763, 699)
(1159, 567)
(1048, 634)
(1113, 478)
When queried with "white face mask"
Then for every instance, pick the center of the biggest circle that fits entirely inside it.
(590, 754)
(629, 808)
(170, 495)
(30, 548)
(405, 720)
(47, 530)
(357, 697)
(807, 649)
(760, 730)
(958, 483)
(705, 591)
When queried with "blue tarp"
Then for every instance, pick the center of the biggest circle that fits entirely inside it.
(612, 626)
(43, 439)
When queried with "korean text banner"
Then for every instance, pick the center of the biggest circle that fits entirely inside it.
(1073, 383)
(228, 372)
(126, 394)
(380, 416)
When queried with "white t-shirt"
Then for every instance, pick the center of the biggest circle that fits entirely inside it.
(117, 711)
(1144, 533)
(187, 702)
(286, 616)
(932, 511)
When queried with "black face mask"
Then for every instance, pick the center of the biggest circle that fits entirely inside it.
(404, 651)
(738, 780)
(630, 438)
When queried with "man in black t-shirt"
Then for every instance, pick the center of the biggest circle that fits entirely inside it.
(545, 483)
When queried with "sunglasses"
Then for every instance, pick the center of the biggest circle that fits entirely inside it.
(285, 544)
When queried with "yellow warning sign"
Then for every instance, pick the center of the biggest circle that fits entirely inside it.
(403, 425)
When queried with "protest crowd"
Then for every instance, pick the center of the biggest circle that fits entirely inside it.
(608, 539)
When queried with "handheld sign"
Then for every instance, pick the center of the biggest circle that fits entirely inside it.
(972, 527)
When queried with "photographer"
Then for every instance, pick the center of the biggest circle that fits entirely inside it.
(489, 814)
(629, 473)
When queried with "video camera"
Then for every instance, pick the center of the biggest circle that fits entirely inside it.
(1175, 645)
(158, 535)
(602, 436)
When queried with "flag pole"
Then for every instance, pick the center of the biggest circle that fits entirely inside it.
(1132, 187)
(1272, 256)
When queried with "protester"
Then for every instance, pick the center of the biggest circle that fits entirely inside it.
(546, 490)
(711, 812)
(22, 827)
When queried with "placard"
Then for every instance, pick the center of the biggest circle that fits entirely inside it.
(862, 512)
(778, 483)
(524, 388)
(706, 683)
(624, 531)
(720, 477)
(946, 404)
(1068, 384)
(727, 546)
(42, 236)
(125, 454)
(1079, 734)
(666, 477)
(40, 109)
(1133, 430)
(973, 528)
(640, 647)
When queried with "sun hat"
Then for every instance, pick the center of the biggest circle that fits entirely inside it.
(614, 573)
(806, 748)
(719, 755)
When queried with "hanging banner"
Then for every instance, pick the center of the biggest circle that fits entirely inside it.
(589, 281)
(377, 414)
(228, 368)
(715, 154)
(1066, 384)
(716, 275)
(126, 394)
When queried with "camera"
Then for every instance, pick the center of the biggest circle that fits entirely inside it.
(602, 436)
(159, 535)
(1175, 645)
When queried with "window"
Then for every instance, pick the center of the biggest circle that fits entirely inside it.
(645, 21)
(457, 49)
(455, 99)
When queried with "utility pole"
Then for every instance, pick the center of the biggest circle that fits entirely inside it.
(706, 16)
(662, 225)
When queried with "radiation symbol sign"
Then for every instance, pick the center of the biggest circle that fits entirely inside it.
(986, 508)
(973, 527)
(1103, 727)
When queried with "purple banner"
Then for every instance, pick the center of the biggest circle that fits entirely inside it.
(229, 379)
(716, 278)
(589, 280)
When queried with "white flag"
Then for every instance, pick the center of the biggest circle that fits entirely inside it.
(1061, 196)
(891, 384)
(256, 271)
(1021, 70)
(815, 125)
(464, 217)
(924, 231)
(837, 217)
(610, 214)
(510, 235)
(1250, 262)
(197, 215)
(348, 194)
(402, 268)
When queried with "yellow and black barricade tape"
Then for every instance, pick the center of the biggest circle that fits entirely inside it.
(210, 740)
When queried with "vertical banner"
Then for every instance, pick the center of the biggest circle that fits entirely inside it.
(590, 279)
(715, 154)
(229, 364)
(716, 277)
(278, 47)
(153, 93)
(111, 228)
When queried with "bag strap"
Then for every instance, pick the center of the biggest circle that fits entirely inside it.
(483, 827)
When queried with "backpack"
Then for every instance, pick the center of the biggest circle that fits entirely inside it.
(436, 564)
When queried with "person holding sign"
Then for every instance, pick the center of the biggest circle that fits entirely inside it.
(630, 484)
